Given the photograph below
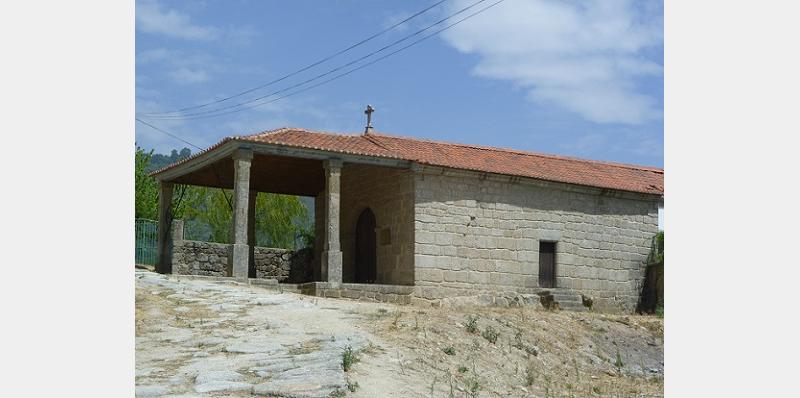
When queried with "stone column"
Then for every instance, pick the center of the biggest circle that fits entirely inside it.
(251, 233)
(319, 234)
(238, 258)
(177, 230)
(164, 264)
(332, 252)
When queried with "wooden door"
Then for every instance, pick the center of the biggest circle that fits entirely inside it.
(547, 264)
(366, 255)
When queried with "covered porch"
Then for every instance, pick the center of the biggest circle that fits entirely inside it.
(361, 239)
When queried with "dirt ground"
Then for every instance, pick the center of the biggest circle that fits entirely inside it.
(198, 338)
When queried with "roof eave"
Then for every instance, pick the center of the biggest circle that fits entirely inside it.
(226, 147)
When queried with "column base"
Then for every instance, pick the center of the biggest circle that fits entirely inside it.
(332, 266)
(239, 261)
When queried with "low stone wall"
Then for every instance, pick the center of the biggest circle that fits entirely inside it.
(191, 257)
(283, 265)
(211, 259)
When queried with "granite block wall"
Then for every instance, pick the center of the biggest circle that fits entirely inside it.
(477, 234)
(389, 193)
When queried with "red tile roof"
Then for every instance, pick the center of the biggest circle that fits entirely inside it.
(512, 162)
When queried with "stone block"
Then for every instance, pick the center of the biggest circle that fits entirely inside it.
(475, 277)
(429, 274)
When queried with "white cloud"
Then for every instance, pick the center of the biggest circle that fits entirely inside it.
(151, 17)
(587, 57)
(184, 67)
(189, 76)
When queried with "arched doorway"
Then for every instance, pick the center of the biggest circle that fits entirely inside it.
(366, 258)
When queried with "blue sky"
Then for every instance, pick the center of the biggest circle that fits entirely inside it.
(582, 78)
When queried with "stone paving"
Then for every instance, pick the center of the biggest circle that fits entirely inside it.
(199, 338)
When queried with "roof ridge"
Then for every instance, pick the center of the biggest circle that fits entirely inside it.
(526, 153)
(300, 129)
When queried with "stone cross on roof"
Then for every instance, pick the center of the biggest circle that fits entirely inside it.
(368, 112)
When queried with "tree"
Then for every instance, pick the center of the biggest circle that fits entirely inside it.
(146, 187)
(280, 219)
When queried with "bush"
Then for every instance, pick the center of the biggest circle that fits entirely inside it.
(449, 350)
(618, 363)
(348, 358)
(352, 386)
(472, 324)
(490, 334)
(656, 249)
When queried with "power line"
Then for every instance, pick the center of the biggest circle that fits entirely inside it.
(213, 112)
(242, 106)
(168, 133)
(340, 52)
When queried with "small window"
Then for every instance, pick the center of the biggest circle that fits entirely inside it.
(547, 264)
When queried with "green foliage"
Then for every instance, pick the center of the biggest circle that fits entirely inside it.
(490, 334)
(146, 187)
(449, 350)
(660, 311)
(158, 160)
(349, 358)
(618, 363)
(352, 385)
(656, 249)
(472, 323)
(462, 369)
(208, 216)
(280, 219)
(473, 387)
(338, 393)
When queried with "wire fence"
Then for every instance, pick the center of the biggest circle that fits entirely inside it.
(146, 241)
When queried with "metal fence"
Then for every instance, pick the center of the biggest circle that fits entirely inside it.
(146, 241)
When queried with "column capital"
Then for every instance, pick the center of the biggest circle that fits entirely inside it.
(242, 154)
(332, 164)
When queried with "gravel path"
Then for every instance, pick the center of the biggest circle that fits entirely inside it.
(197, 338)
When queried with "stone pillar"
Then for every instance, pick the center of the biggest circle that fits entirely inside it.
(177, 230)
(332, 252)
(319, 234)
(251, 233)
(238, 258)
(164, 264)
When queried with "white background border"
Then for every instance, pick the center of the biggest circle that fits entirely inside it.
(731, 121)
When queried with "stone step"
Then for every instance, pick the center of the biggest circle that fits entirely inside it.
(568, 297)
(567, 300)
(573, 309)
(290, 288)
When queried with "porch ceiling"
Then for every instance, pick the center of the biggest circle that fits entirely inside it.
(268, 173)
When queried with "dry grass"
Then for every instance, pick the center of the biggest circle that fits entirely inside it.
(548, 354)
(306, 347)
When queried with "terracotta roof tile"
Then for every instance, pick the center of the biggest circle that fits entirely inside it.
(472, 157)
